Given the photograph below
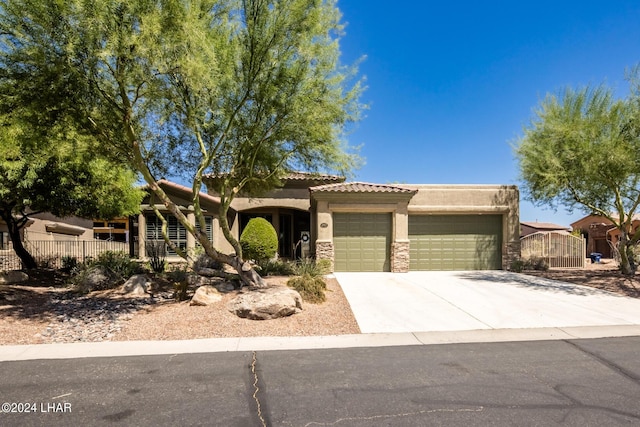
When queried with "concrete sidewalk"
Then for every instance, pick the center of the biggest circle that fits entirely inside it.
(475, 300)
(216, 345)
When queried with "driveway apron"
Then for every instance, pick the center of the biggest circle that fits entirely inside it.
(422, 301)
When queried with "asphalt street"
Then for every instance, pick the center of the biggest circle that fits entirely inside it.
(564, 382)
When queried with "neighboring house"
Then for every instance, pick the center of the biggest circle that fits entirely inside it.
(527, 228)
(600, 233)
(47, 238)
(116, 230)
(49, 228)
(376, 227)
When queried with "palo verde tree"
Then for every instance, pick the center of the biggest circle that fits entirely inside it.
(245, 90)
(582, 150)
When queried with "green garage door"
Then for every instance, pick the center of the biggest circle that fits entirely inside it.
(455, 242)
(361, 241)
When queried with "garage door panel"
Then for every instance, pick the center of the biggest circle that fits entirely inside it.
(361, 241)
(455, 242)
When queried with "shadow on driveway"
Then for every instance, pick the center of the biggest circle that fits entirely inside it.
(531, 282)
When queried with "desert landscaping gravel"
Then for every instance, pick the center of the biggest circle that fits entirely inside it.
(40, 315)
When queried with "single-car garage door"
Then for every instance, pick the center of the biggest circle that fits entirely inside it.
(455, 242)
(361, 241)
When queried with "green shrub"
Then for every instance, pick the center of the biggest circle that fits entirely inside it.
(69, 263)
(324, 265)
(517, 265)
(311, 288)
(179, 273)
(275, 268)
(308, 266)
(119, 263)
(156, 252)
(113, 269)
(533, 263)
(180, 290)
(538, 264)
(259, 240)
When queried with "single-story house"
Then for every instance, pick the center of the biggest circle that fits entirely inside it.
(379, 227)
(146, 227)
(600, 233)
(527, 228)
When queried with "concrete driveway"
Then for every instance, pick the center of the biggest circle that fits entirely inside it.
(423, 301)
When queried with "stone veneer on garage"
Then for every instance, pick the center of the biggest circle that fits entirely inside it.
(400, 257)
(513, 253)
(324, 250)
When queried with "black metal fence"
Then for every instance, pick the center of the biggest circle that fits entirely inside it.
(51, 254)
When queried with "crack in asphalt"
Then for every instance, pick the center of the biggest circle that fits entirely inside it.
(606, 362)
(257, 389)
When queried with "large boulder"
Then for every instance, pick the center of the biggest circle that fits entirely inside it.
(206, 295)
(96, 278)
(138, 285)
(13, 276)
(266, 303)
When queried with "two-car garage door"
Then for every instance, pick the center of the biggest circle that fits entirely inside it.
(455, 242)
(362, 242)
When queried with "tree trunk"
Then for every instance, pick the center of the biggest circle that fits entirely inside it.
(627, 261)
(28, 261)
(248, 276)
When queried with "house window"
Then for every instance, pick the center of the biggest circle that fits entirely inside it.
(177, 232)
(208, 222)
(4, 240)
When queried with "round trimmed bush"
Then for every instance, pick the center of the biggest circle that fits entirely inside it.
(259, 240)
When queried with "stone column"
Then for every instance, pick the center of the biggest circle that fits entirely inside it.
(400, 256)
(324, 250)
(511, 253)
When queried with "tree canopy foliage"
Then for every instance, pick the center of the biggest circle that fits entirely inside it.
(52, 169)
(248, 89)
(582, 150)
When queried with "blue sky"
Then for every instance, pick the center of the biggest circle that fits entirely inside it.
(451, 84)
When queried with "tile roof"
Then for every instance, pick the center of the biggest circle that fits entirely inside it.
(361, 187)
(295, 176)
(183, 189)
(315, 176)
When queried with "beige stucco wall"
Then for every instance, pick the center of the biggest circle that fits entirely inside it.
(295, 198)
(396, 204)
(48, 227)
(474, 199)
(470, 199)
(428, 199)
